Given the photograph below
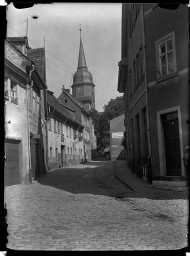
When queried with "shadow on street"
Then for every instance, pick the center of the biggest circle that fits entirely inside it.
(96, 177)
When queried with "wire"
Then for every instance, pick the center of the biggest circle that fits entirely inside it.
(97, 82)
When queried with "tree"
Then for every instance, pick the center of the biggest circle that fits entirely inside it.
(114, 108)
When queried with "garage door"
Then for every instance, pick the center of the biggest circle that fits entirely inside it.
(11, 170)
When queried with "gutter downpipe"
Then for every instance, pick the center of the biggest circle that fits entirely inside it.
(28, 123)
(146, 91)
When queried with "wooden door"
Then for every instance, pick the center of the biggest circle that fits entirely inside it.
(172, 144)
(11, 170)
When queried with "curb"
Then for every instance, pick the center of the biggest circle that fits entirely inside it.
(121, 180)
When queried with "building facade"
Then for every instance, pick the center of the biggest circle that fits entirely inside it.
(153, 75)
(82, 115)
(24, 114)
(65, 144)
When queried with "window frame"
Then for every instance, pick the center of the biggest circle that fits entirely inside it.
(34, 102)
(37, 105)
(50, 125)
(158, 59)
(14, 98)
(51, 152)
(55, 125)
(61, 128)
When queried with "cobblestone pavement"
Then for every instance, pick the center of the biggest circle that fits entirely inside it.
(86, 208)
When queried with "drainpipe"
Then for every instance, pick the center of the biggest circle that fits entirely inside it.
(28, 123)
(146, 91)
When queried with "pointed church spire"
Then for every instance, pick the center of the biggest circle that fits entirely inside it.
(81, 60)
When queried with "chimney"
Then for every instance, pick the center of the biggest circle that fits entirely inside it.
(63, 88)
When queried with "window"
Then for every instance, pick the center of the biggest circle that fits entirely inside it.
(61, 128)
(55, 128)
(30, 99)
(14, 98)
(6, 89)
(133, 14)
(50, 127)
(141, 63)
(166, 59)
(56, 153)
(134, 72)
(130, 84)
(68, 152)
(145, 131)
(70, 131)
(138, 69)
(71, 152)
(51, 152)
(34, 102)
(79, 90)
(38, 105)
(138, 141)
(67, 130)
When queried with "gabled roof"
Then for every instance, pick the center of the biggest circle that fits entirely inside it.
(54, 102)
(80, 105)
(38, 57)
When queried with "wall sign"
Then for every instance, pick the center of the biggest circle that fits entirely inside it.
(117, 135)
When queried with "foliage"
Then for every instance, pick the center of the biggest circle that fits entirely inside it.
(114, 108)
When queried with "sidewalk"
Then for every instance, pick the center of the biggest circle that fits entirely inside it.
(125, 175)
(135, 184)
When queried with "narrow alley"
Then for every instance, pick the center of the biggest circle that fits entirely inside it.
(85, 207)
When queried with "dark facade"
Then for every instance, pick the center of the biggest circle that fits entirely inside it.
(153, 75)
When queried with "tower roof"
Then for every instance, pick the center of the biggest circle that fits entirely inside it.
(81, 60)
(82, 75)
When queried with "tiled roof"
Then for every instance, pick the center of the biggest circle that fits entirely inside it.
(84, 98)
(54, 102)
(16, 39)
(38, 57)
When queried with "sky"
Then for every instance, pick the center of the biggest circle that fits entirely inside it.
(57, 27)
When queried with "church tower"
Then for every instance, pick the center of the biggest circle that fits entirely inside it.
(83, 87)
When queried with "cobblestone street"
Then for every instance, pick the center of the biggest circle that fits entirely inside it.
(86, 208)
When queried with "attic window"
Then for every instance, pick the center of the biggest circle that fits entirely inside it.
(66, 100)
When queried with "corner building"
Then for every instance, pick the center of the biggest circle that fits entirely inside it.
(153, 75)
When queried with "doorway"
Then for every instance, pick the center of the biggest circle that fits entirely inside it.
(172, 143)
(62, 154)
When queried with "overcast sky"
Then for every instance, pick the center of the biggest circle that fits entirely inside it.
(59, 23)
